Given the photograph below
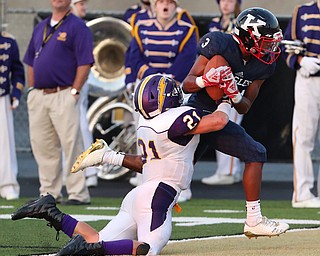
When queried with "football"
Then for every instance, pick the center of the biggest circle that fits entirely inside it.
(216, 61)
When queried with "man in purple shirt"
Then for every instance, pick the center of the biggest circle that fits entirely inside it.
(59, 57)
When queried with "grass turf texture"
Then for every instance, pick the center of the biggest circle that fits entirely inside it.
(26, 237)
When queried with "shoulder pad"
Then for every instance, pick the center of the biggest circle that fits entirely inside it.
(7, 35)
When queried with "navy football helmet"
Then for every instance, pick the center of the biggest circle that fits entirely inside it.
(156, 94)
(258, 32)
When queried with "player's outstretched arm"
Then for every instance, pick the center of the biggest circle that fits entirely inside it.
(215, 121)
(100, 153)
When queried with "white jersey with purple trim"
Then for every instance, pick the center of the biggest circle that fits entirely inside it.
(168, 153)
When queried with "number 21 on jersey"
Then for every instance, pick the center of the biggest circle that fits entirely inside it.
(151, 146)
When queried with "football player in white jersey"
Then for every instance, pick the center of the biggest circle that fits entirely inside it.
(166, 137)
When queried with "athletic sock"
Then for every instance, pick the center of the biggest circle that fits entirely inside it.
(68, 225)
(253, 212)
(119, 247)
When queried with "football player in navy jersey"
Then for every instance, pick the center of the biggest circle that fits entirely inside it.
(228, 170)
(251, 52)
(168, 136)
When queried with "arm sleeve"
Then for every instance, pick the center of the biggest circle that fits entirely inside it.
(186, 122)
(83, 45)
(17, 72)
(291, 34)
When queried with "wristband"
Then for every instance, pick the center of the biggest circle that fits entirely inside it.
(113, 157)
(224, 107)
(199, 82)
(237, 98)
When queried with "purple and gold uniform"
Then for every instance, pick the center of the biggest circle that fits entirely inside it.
(304, 27)
(236, 142)
(149, 206)
(170, 50)
(12, 81)
(142, 16)
(11, 68)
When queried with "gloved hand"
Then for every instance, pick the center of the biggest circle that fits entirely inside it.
(311, 64)
(304, 72)
(213, 77)
(15, 103)
(230, 88)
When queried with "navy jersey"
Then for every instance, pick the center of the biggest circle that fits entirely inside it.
(219, 43)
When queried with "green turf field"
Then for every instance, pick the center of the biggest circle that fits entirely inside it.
(199, 218)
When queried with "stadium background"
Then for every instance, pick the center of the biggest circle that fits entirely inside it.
(269, 120)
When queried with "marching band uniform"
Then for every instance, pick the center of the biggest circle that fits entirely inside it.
(141, 16)
(304, 27)
(170, 50)
(12, 81)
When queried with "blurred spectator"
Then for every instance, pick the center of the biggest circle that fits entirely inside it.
(228, 167)
(80, 8)
(146, 14)
(59, 57)
(303, 30)
(12, 82)
(143, 5)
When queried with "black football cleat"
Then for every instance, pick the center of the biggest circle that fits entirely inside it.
(78, 246)
(143, 249)
(41, 208)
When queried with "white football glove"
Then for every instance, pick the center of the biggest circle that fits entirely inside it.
(304, 72)
(311, 64)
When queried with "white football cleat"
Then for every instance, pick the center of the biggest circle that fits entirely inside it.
(92, 156)
(310, 203)
(136, 180)
(218, 179)
(265, 227)
(185, 195)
